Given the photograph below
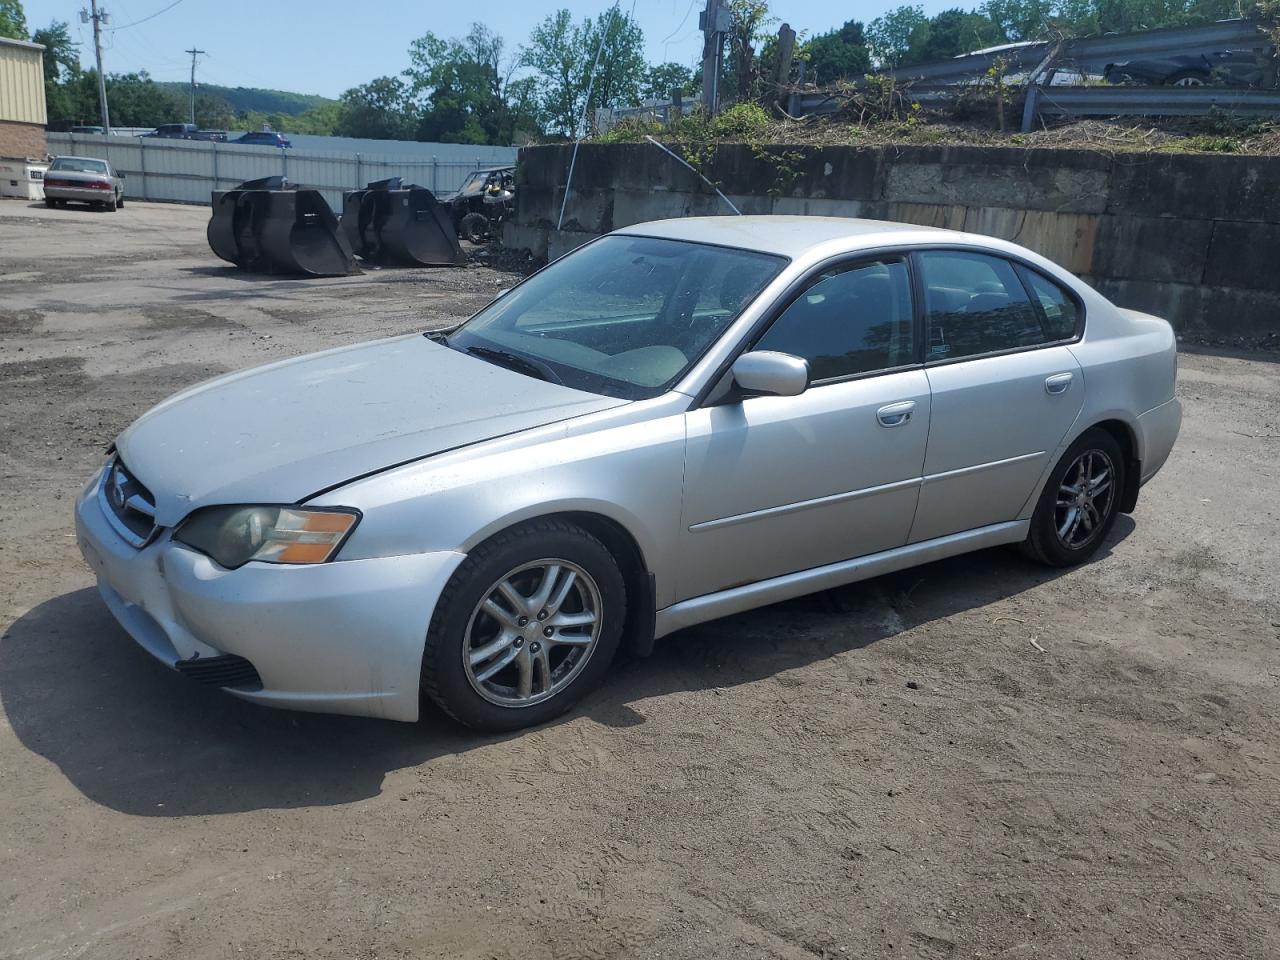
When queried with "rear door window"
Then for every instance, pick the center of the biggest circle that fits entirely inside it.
(975, 304)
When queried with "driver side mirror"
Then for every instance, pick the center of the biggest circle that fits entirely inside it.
(767, 373)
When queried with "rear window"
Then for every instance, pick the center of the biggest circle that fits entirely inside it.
(77, 165)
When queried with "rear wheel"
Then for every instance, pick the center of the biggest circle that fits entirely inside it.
(474, 227)
(525, 628)
(50, 202)
(120, 200)
(111, 205)
(1079, 503)
(1187, 78)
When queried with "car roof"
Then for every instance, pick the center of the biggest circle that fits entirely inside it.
(66, 157)
(792, 236)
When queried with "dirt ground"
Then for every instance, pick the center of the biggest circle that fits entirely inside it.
(891, 770)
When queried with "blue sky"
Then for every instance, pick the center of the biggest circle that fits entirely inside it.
(327, 46)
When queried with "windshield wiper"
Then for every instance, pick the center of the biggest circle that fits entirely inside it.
(515, 362)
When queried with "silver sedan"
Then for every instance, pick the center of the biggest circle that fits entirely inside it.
(678, 421)
(84, 179)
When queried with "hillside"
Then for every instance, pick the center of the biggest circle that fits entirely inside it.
(254, 99)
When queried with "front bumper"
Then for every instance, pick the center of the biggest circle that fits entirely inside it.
(340, 637)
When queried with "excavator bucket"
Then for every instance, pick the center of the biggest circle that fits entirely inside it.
(393, 222)
(272, 226)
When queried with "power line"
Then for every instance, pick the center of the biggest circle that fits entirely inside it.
(149, 16)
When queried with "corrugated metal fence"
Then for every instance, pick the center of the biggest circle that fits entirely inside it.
(188, 170)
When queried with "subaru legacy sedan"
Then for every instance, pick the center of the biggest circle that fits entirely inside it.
(678, 421)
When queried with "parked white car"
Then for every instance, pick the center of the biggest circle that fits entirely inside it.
(84, 179)
(678, 421)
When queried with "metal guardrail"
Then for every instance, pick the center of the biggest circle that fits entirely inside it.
(1092, 54)
(1149, 101)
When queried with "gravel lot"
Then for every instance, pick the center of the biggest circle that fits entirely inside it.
(893, 769)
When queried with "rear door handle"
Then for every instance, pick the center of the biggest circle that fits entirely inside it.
(896, 414)
(1058, 383)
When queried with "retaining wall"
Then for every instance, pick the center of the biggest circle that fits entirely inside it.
(1194, 238)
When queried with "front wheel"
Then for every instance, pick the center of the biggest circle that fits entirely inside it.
(527, 625)
(1079, 502)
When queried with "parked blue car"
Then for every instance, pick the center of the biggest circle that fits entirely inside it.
(263, 138)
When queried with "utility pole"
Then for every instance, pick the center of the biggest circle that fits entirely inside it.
(714, 24)
(99, 17)
(194, 53)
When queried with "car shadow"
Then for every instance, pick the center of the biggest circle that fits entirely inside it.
(135, 737)
(1269, 353)
(229, 271)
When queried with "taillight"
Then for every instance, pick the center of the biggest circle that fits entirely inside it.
(99, 185)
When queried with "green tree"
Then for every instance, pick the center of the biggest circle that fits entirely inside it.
(13, 21)
(562, 55)
(61, 71)
(661, 79)
(747, 31)
(379, 109)
(214, 112)
(1023, 19)
(838, 54)
(457, 86)
(889, 36)
(138, 101)
(949, 34)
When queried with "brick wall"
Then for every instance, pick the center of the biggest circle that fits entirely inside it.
(21, 140)
(1190, 237)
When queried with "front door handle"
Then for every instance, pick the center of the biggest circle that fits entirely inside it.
(896, 414)
(1058, 383)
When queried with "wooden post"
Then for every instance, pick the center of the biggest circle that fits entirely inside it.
(712, 22)
(786, 49)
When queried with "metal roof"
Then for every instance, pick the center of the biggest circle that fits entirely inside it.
(21, 43)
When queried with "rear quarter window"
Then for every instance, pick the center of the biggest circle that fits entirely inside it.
(1059, 309)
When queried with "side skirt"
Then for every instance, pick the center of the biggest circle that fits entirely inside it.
(712, 606)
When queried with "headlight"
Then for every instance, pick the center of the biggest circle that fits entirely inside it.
(235, 535)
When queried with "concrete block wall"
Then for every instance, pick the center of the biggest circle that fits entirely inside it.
(1194, 238)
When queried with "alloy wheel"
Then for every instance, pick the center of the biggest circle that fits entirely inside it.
(532, 633)
(1085, 497)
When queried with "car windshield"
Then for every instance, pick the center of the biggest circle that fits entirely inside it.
(76, 165)
(624, 316)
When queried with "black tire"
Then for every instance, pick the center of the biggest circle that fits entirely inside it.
(474, 227)
(50, 203)
(120, 200)
(444, 677)
(1045, 542)
(112, 205)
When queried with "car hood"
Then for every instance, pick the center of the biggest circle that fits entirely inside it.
(283, 432)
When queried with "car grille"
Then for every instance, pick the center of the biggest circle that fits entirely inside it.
(227, 670)
(128, 505)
